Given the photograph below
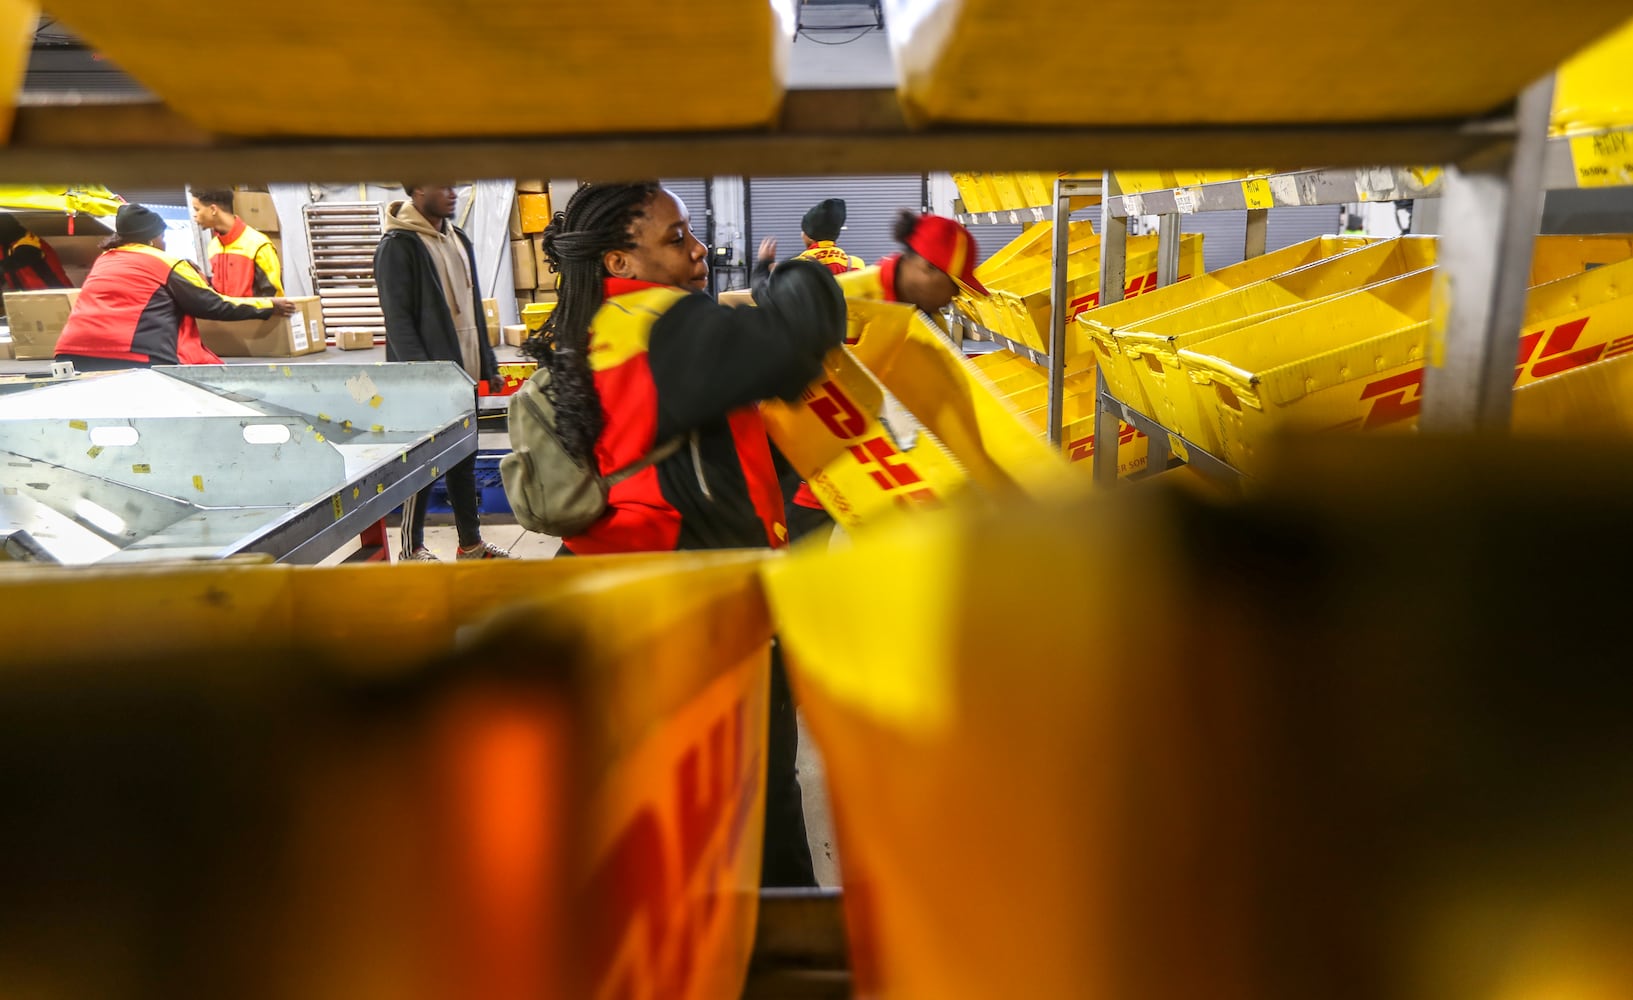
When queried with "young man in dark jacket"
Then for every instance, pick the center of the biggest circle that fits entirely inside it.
(425, 269)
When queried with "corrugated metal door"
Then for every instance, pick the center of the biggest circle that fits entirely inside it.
(1225, 231)
(777, 205)
(694, 192)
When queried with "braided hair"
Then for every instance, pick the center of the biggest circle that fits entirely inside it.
(597, 221)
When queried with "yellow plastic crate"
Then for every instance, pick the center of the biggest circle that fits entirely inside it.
(1556, 257)
(1355, 362)
(976, 191)
(1096, 330)
(1593, 90)
(1152, 346)
(1594, 400)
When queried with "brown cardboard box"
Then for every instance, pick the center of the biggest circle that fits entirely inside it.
(523, 264)
(515, 335)
(255, 208)
(535, 212)
(524, 298)
(277, 337)
(530, 187)
(490, 312)
(354, 340)
(736, 297)
(541, 265)
(516, 221)
(545, 295)
(37, 319)
(7, 352)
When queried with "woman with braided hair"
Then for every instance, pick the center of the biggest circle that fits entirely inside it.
(639, 357)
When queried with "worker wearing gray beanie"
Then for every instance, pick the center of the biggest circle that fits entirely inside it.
(140, 305)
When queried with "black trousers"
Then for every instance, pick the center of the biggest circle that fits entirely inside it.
(86, 363)
(786, 850)
(461, 481)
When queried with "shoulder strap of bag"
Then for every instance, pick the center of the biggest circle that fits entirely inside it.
(652, 458)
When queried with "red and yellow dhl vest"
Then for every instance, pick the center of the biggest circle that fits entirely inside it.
(29, 279)
(826, 253)
(125, 311)
(245, 263)
(640, 518)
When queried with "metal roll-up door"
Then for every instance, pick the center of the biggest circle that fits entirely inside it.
(1224, 232)
(694, 192)
(777, 204)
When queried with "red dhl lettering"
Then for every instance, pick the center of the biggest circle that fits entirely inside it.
(1400, 397)
(1083, 447)
(637, 936)
(889, 475)
(836, 411)
(1139, 285)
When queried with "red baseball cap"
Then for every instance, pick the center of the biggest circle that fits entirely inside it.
(950, 247)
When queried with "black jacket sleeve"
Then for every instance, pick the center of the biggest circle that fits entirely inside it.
(394, 278)
(759, 278)
(19, 258)
(200, 301)
(708, 359)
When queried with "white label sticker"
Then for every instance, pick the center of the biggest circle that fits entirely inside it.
(317, 332)
(1186, 200)
(297, 333)
(1285, 189)
(1133, 205)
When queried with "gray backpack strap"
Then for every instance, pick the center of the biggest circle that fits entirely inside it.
(652, 458)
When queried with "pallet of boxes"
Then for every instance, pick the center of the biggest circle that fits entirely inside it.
(535, 281)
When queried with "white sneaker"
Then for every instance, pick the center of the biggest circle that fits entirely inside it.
(484, 550)
(421, 554)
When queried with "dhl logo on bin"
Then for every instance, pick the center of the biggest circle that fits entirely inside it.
(1542, 354)
(1138, 286)
(1082, 449)
(887, 466)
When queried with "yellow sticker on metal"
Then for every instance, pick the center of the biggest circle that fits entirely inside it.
(376, 400)
(1604, 160)
(319, 437)
(288, 371)
(142, 469)
(435, 472)
(467, 422)
(339, 507)
(379, 488)
(356, 492)
(324, 417)
(1176, 445)
(1256, 193)
(198, 483)
(78, 425)
(380, 429)
(346, 425)
(95, 450)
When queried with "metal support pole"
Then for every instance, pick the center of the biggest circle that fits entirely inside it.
(1258, 228)
(1113, 244)
(1107, 427)
(1167, 250)
(1059, 308)
(1490, 222)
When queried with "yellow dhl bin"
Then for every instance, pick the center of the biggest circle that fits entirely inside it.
(1152, 346)
(1356, 361)
(1022, 304)
(1593, 400)
(1096, 330)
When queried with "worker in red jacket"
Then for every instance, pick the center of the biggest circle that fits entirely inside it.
(243, 260)
(639, 357)
(27, 263)
(139, 304)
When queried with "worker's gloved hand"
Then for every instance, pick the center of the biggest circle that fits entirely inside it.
(496, 385)
(808, 304)
(284, 307)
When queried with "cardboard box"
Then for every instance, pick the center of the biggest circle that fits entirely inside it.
(490, 312)
(37, 319)
(515, 335)
(255, 208)
(277, 337)
(546, 275)
(531, 187)
(7, 352)
(736, 297)
(545, 295)
(516, 221)
(535, 212)
(523, 264)
(523, 300)
(354, 340)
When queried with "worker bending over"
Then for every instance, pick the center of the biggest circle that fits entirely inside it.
(243, 260)
(27, 263)
(639, 358)
(139, 304)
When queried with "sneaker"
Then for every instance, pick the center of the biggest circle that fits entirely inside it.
(484, 550)
(421, 554)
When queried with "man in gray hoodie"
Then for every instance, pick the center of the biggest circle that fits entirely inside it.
(425, 269)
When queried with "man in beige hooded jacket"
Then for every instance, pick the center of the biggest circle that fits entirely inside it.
(425, 269)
